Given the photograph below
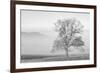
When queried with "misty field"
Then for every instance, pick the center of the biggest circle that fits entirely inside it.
(39, 58)
(36, 47)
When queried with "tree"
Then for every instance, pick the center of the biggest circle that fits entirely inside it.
(69, 31)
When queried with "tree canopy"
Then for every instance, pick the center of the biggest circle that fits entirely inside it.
(68, 34)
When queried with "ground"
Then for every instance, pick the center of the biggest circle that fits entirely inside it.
(30, 58)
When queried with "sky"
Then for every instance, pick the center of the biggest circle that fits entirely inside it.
(36, 21)
(43, 22)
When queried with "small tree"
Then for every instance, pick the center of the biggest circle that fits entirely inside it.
(68, 34)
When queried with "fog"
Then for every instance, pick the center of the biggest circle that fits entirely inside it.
(38, 34)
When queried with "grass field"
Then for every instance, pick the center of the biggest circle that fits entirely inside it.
(39, 58)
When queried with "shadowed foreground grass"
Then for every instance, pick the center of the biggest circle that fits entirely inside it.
(39, 58)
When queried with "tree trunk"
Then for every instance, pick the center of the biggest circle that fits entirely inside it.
(67, 55)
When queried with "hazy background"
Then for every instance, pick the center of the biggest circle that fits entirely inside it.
(37, 31)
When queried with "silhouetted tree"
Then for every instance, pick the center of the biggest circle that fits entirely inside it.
(68, 34)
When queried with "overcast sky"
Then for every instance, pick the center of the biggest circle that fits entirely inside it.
(42, 21)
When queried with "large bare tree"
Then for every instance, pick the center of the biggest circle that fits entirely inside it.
(69, 34)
